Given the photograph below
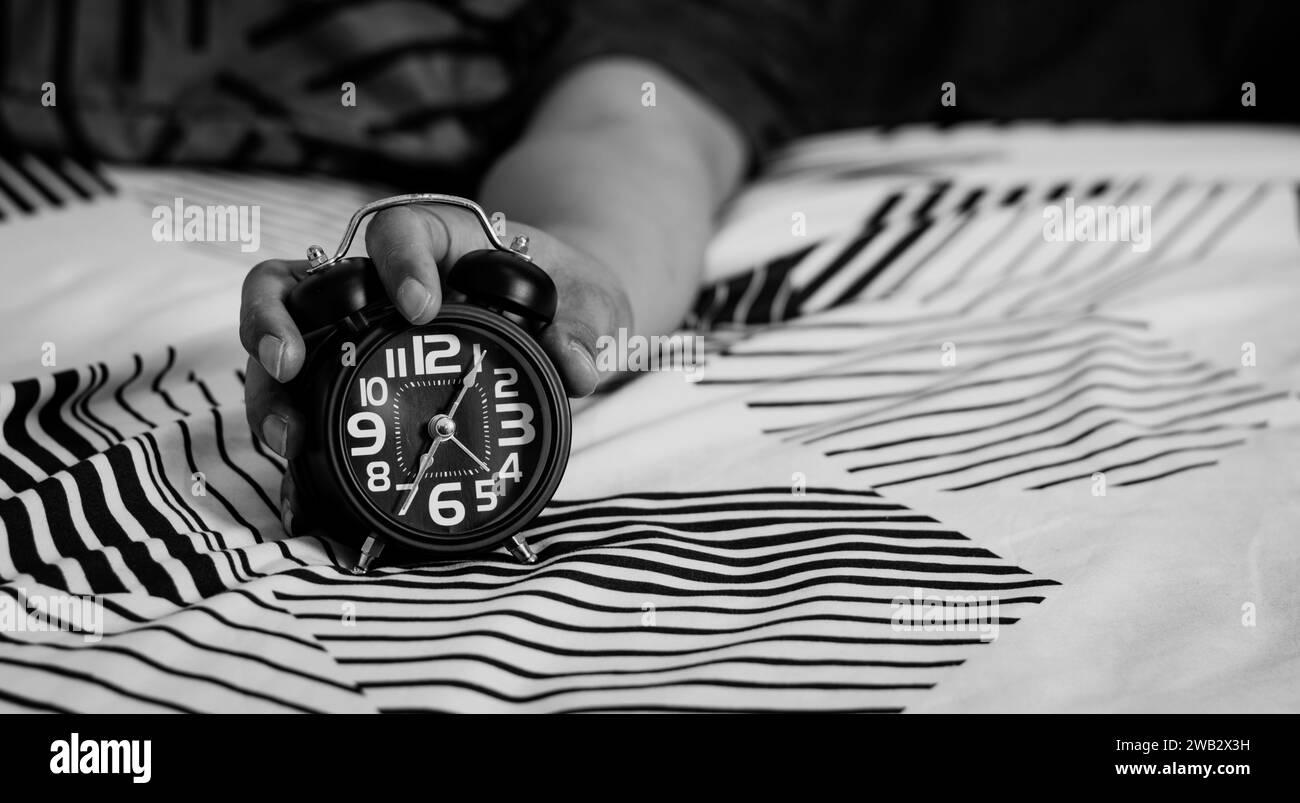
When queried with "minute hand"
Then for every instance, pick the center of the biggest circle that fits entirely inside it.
(426, 460)
(471, 376)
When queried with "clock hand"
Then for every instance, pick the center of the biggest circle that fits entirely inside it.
(466, 450)
(441, 428)
(425, 460)
(471, 376)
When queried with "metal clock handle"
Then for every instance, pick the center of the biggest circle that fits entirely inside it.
(319, 261)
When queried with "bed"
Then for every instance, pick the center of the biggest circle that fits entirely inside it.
(911, 400)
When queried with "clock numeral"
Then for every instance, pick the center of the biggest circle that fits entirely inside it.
(366, 426)
(430, 354)
(510, 468)
(395, 363)
(446, 512)
(495, 486)
(486, 493)
(524, 423)
(374, 391)
(377, 476)
(442, 346)
(511, 377)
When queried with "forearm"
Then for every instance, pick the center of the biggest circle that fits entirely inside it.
(635, 187)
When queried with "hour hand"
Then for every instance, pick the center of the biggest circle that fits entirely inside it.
(466, 450)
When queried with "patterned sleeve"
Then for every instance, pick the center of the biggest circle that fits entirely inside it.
(402, 91)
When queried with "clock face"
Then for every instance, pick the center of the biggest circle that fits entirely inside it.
(445, 429)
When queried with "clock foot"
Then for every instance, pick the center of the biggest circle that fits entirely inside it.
(370, 550)
(518, 547)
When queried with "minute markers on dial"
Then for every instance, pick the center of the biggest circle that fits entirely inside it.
(396, 415)
(402, 394)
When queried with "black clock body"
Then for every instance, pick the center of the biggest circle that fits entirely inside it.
(376, 391)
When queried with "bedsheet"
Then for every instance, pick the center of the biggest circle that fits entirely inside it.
(912, 400)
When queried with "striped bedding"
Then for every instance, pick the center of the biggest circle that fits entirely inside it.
(733, 544)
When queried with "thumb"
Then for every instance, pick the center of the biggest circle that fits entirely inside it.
(587, 312)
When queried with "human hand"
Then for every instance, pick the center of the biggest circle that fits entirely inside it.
(413, 248)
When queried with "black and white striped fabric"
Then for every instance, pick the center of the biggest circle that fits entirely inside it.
(1034, 402)
(915, 404)
(30, 183)
(905, 246)
(745, 599)
(1039, 389)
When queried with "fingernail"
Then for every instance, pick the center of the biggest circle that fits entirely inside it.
(286, 518)
(270, 352)
(588, 377)
(413, 299)
(275, 431)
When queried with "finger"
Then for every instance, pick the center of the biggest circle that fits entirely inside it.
(287, 493)
(292, 517)
(271, 416)
(588, 311)
(266, 329)
(411, 244)
(407, 245)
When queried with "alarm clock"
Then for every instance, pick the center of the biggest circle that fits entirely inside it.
(432, 440)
